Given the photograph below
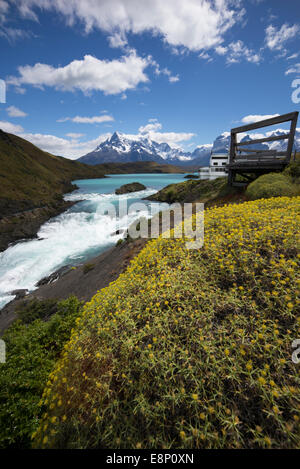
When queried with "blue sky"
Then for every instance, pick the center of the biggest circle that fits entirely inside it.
(179, 71)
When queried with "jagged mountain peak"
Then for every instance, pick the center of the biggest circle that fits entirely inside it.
(121, 148)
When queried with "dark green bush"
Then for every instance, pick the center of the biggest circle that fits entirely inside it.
(29, 311)
(293, 171)
(271, 185)
(32, 349)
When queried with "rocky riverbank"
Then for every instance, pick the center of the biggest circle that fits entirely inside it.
(82, 281)
(26, 224)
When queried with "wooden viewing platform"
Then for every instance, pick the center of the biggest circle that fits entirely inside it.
(251, 163)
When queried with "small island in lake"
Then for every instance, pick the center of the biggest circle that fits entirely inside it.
(131, 187)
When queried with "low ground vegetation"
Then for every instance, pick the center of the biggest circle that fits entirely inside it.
(189, 349)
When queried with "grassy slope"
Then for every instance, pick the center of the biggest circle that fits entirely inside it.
(208, 192)
(189, 348)
(217, 192)
(30, 177)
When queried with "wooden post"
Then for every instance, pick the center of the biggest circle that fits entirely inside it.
(292, 135)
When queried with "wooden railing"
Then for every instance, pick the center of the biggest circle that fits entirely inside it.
(239, 155)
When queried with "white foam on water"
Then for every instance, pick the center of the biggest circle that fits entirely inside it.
(74, 196)
(65, 239)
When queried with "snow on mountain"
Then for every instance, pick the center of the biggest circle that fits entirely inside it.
(120, 148)
(222, 143)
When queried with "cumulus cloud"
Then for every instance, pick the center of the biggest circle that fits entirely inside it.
(237, 51)
(294, 69)
(276, 38)
(88, 120)
(221, 50)
(257, 117)
(71, 149)
(192, 24)
(10, 128)
(151, 130)
(153, 126)
(87, 75)
(13, 111)
(117, 40)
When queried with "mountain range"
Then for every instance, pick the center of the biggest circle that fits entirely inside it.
(120, 149)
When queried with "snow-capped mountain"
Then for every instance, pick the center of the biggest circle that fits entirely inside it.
(222, 143)
(121, 149)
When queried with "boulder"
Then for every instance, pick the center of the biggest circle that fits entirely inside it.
(131, 187)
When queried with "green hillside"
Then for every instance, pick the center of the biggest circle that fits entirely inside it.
(188, 348)
(30, 177)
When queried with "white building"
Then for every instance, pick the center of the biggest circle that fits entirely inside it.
(216, 168)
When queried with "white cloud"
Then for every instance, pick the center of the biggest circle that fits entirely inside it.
(174, 79)
(205, 145)
(174, 139)
(9, 33)
(10, 128)
(4, 7)
(13, 111)
(74, 135)
(13, 34)
(151, 127)
(117, 40)
(193, 24)
(275, 38)
(88, 120)
(294, 69)
(89, 74)
(257, 117)
(221, 50)
(237, 51)
(205, 56)
(164, 71)
(293, 56)
(71, 149)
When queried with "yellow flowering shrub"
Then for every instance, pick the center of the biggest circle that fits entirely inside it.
(189, 348)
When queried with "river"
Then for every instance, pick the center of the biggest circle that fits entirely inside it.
(80, 233)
